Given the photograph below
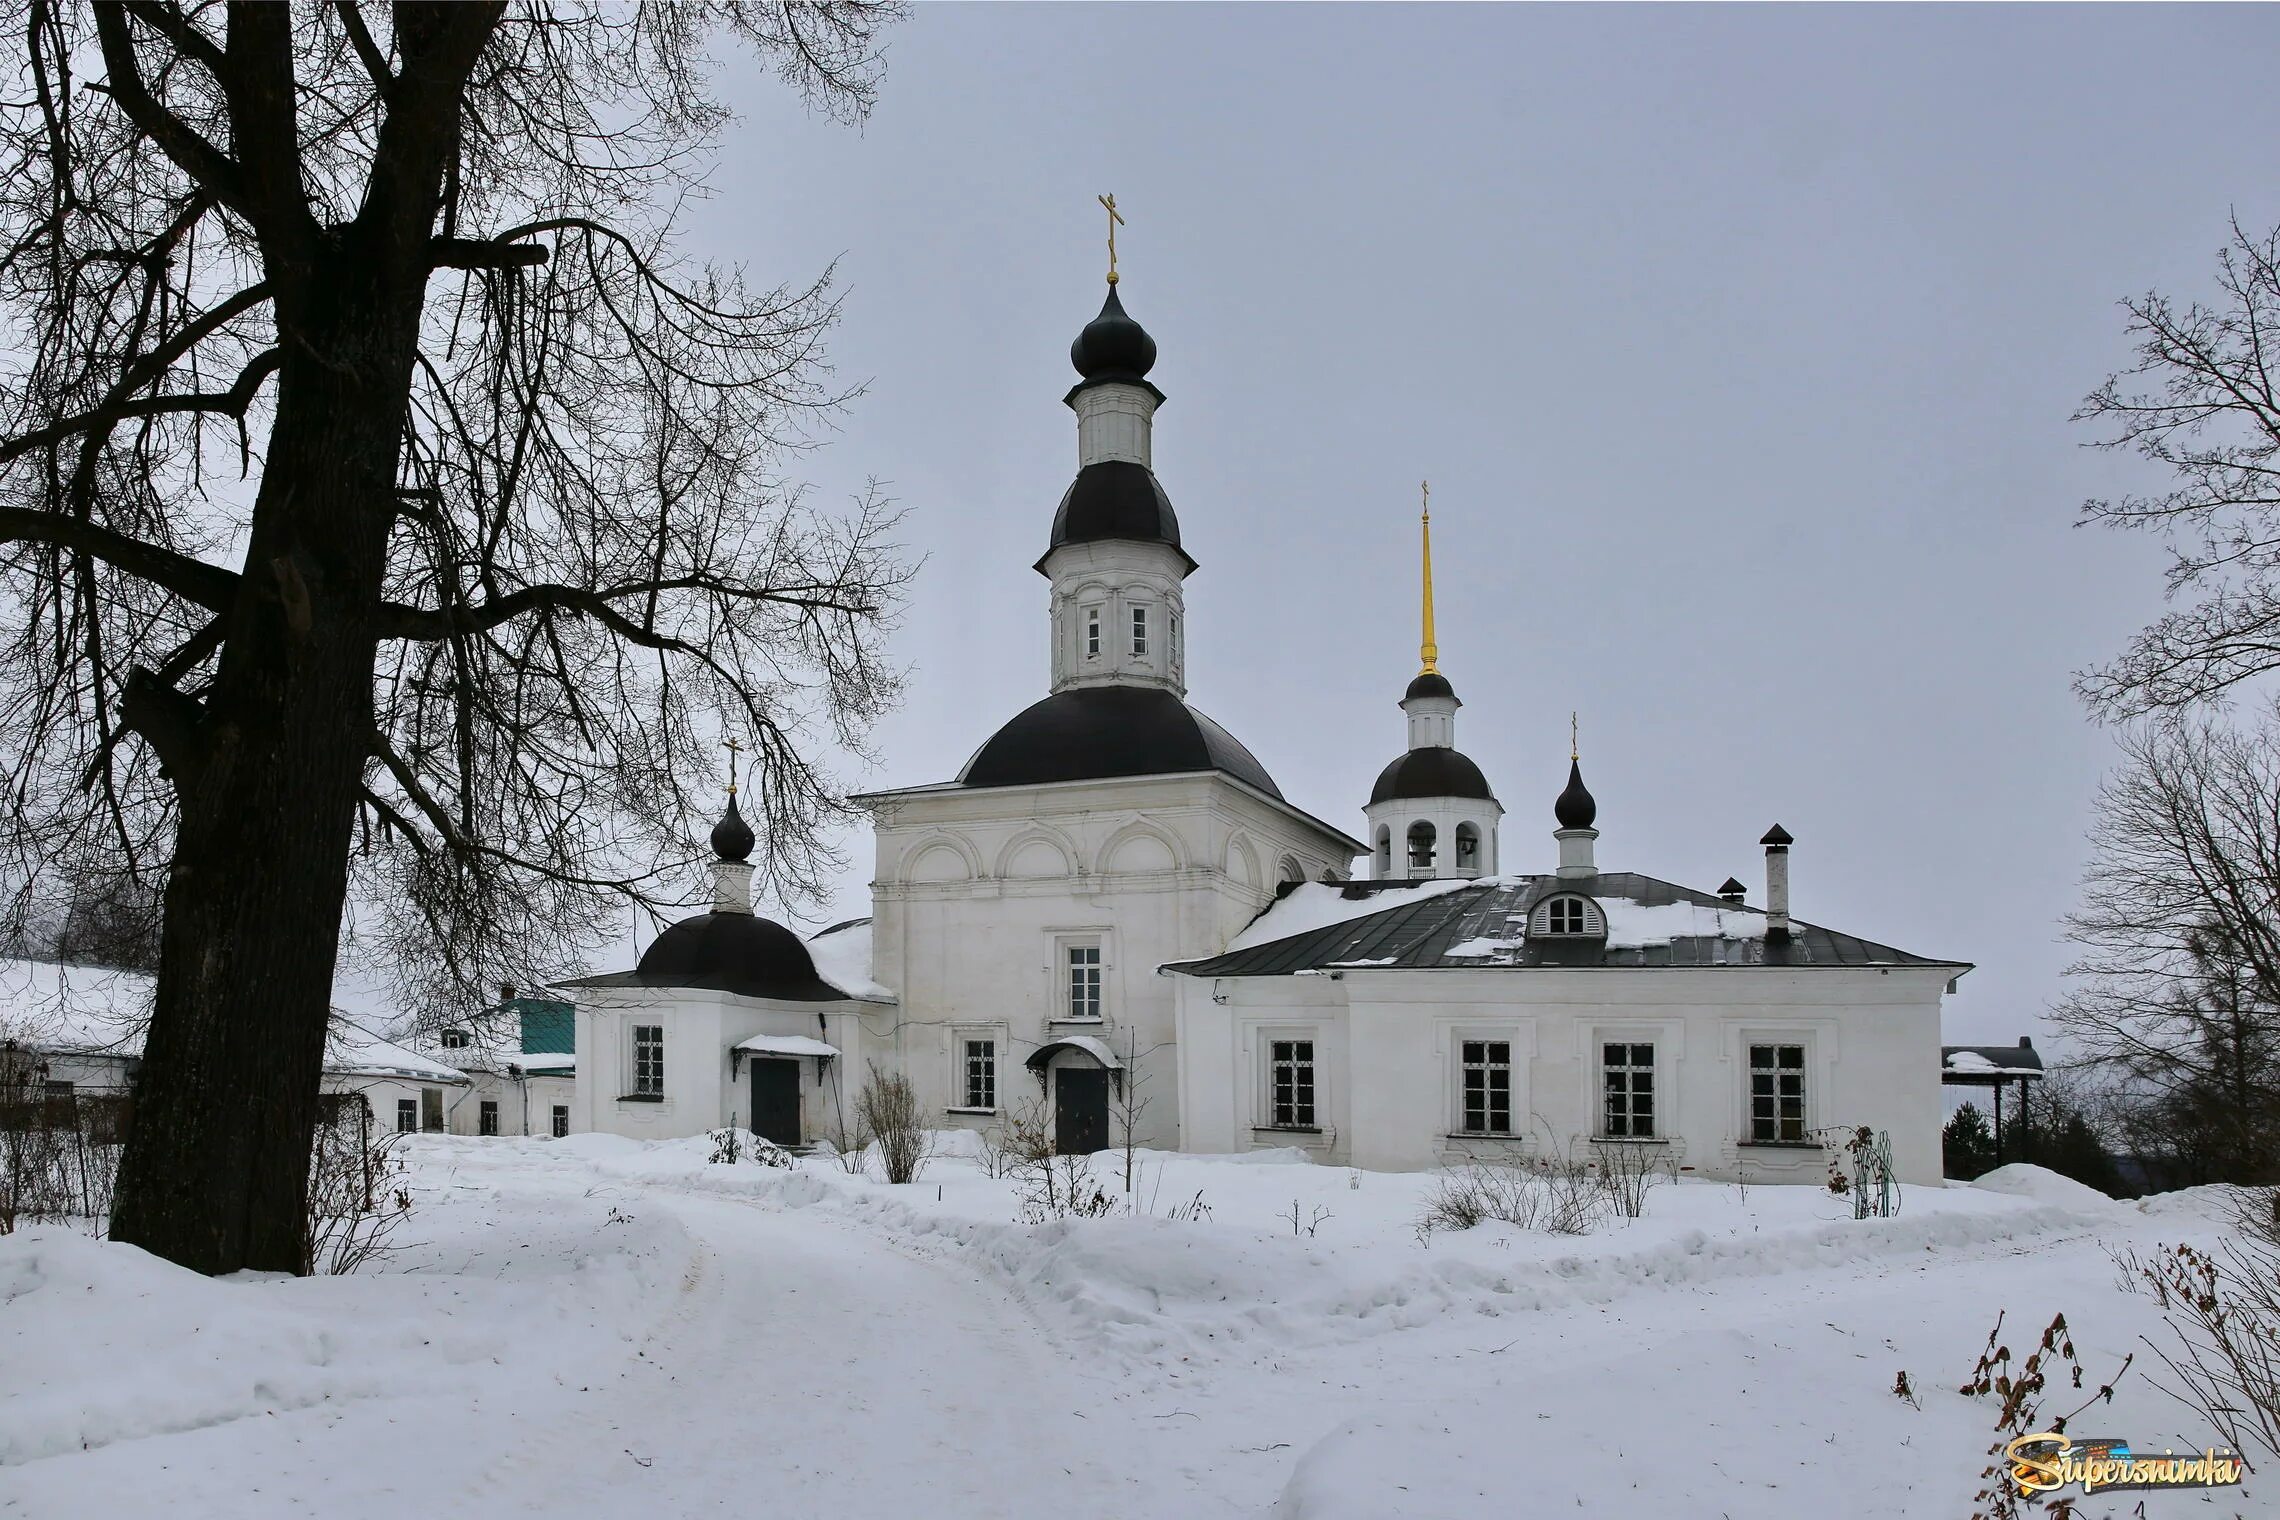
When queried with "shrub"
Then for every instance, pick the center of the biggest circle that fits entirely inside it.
(888, 1107)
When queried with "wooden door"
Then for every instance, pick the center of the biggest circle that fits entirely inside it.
(776, 1101)
(1080, 1110)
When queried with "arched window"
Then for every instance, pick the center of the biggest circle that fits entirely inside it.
(1384, 849)
(1468, 847)
(1420, 846)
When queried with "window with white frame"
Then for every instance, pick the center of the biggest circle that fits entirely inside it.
(1777, 1094)
(1290, 1084)
(455, 1039)
(487, 1117)
(648, 1060)
(1487, 1086)
(561, 1120)
(1627, 1090)
(1080, 964)
(977, 1066)
(1139, 631)
(1565, 915)
(1092, 633)
(407, 1116)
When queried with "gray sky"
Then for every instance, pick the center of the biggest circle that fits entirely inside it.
(1739, 345)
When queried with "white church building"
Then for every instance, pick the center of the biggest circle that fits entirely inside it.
(1114, 901)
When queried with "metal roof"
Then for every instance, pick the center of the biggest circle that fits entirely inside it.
(1418, 935)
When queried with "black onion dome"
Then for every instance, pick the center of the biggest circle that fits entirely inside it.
(1092, 732)
(732, 836)
(1113, 347)
(1576, 807)
(1434, 771)
(734, 952)
(1430, 683)
(1115, 499)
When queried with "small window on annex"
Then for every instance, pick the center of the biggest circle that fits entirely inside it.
(1421, 846)
(561, 1120)
(455, 1039)
(1777, 1094)
(1291, 1084)
(1487, 1087)
(487, 1117)
(648, 1060)
(980, 1073)
(407, 1116)
(1627, 1090)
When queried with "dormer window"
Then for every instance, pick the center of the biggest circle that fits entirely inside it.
(1569, 915)
(1139, 631)
(455, 1039)
(1092, 633)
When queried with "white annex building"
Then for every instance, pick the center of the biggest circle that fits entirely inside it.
(1114, 897)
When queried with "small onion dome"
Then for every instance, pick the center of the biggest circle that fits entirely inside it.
(1777, 837)
(732, 837)
(1113, 347)
(1434, 771)
(1575, 808)
(734, 952)
(1430, 683)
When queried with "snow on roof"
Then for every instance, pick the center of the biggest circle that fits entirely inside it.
(1096, 1048)
(90, 1010)
(1972, 1061)
(1315, 905)
(1631, 925)
(787, 1045)
(842, 956)
(538, 1063)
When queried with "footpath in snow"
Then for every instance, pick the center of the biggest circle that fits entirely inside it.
(598, 1327)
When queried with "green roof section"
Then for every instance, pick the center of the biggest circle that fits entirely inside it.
(549, 1027)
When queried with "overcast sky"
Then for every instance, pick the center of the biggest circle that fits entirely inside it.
(1739, 346)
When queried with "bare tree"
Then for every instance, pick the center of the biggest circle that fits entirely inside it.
(2177, 994)
(2202, 402)
(385, 503)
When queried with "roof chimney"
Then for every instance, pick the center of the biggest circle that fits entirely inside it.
(1777, 843)
(506, 992)
(1732, 891)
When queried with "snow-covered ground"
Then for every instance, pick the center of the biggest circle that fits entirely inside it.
(600, 1327)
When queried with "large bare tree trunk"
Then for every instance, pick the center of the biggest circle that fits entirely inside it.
(216, 1174)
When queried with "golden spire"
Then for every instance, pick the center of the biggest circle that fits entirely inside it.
(1428, 651)
(734, 749)
(1575, 747)
(1115, 220)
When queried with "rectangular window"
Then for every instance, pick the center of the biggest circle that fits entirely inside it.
(1777, 1094)
(487, 1118)
(455, 1039)
(1488, 1087)
(1627, 1091)
(981, 1073)
(561, 1120)
(1084, 981)
(1092, 633)
(407, 1116)
(1139, 630)
(649, 1060)
(1292, 1091)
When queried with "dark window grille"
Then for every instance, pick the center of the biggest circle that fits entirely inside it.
(1777, 1094)
(1627, 1083)
(649, 1060)
(1488, 1087)
(1293, 1079)
(981, 1073)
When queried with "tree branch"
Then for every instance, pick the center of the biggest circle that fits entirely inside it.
(210, 586)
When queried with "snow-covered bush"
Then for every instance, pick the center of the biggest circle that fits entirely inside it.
(731, 1145)
(1554, 1193)
(2222, 1309)
(888, 1107)
(358, 1189)
(1628, 1171)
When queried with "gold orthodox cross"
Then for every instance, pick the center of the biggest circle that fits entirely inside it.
(1575, 748)
(734, 749)
(1115, 220)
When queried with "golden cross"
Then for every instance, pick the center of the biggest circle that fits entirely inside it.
(734, 749)
(1115, 220)
(1428, 652)
(1575, 749)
